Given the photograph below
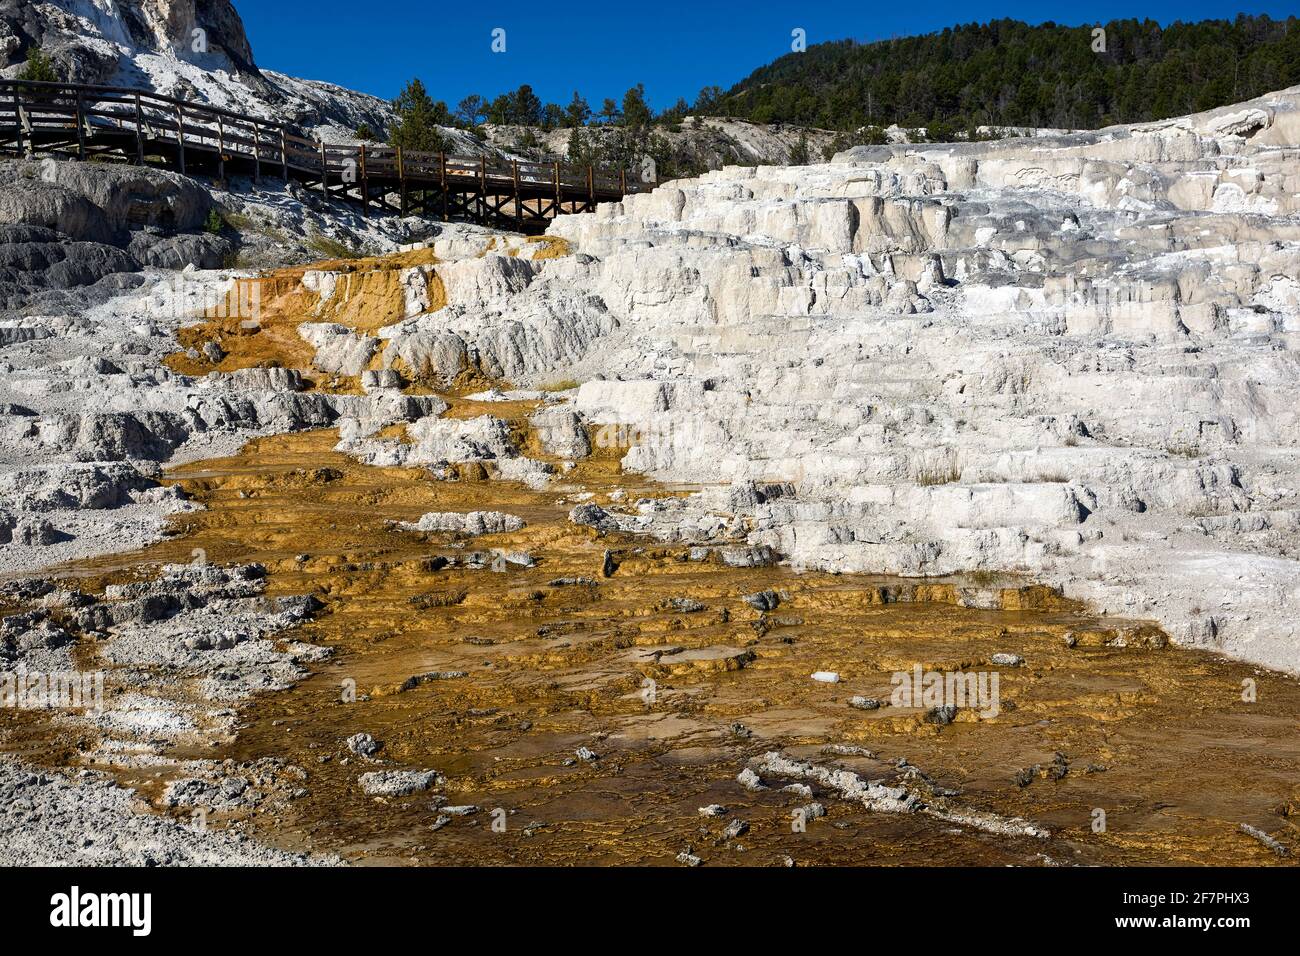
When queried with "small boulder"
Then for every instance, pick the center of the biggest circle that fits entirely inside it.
(397, 783)
(363, 745)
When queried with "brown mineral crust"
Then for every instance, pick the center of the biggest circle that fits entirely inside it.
(556, 658)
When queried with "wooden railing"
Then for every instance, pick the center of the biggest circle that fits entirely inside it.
(38, 116)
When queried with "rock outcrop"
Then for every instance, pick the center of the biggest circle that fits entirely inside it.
(72, 234)
(192, 49)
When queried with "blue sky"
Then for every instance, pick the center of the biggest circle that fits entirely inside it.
(674, 47)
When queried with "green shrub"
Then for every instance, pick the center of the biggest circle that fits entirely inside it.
(328, 248)
(40, 68)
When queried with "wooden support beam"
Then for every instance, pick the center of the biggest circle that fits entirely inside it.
(139, 132)
(180, 136)
(257, 153)
(519, 214)
(284, 157)
(442, 163)
(324, 170)
(401, 175)
(221, 148)
(18, 124)
(365, 184)
(81, 131)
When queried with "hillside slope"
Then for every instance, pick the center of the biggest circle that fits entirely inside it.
(1008, 73)
(151, 44)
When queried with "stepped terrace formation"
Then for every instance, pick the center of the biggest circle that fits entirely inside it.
(618, 543)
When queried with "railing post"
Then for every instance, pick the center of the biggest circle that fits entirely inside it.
(221, 148)
(591, 188)
(556, 176)
(257, 153)
(324, 170)
(180, 136)
(81, 130)
(139, 132)
(482, 190)
(519, 213)
(18, 122)
(284, 156)
(442, 163)
(365, 184)
(622, 181)
(401, 178)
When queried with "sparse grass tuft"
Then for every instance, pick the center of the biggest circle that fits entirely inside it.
(328, 248)
(560, 385)
(928, 477)
(1183, 450)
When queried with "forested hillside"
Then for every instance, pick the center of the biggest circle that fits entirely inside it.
(1008, 73)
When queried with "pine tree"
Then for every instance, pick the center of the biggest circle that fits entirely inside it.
(418, 118)
(1008, 73)
(577, 113)
(636, 112)
(578, 152)
(799, 155)
(40, 68)
(500, 110)
(471, 110)
(525, 107)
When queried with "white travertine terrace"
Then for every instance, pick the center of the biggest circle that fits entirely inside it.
(1071, 356)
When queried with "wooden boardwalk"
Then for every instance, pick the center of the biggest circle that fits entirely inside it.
(142, 127)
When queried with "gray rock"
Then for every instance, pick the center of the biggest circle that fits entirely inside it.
(684, 605)
(373, 379)
(593, 516)
(200, 250)
(34, 532)
(363, 745)
(941, 715)
(397, 783)
(561, 433)
(763, 600)
(608, 564)
(473, 523)
(813, 811)
(735, 829)
(756, 557)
